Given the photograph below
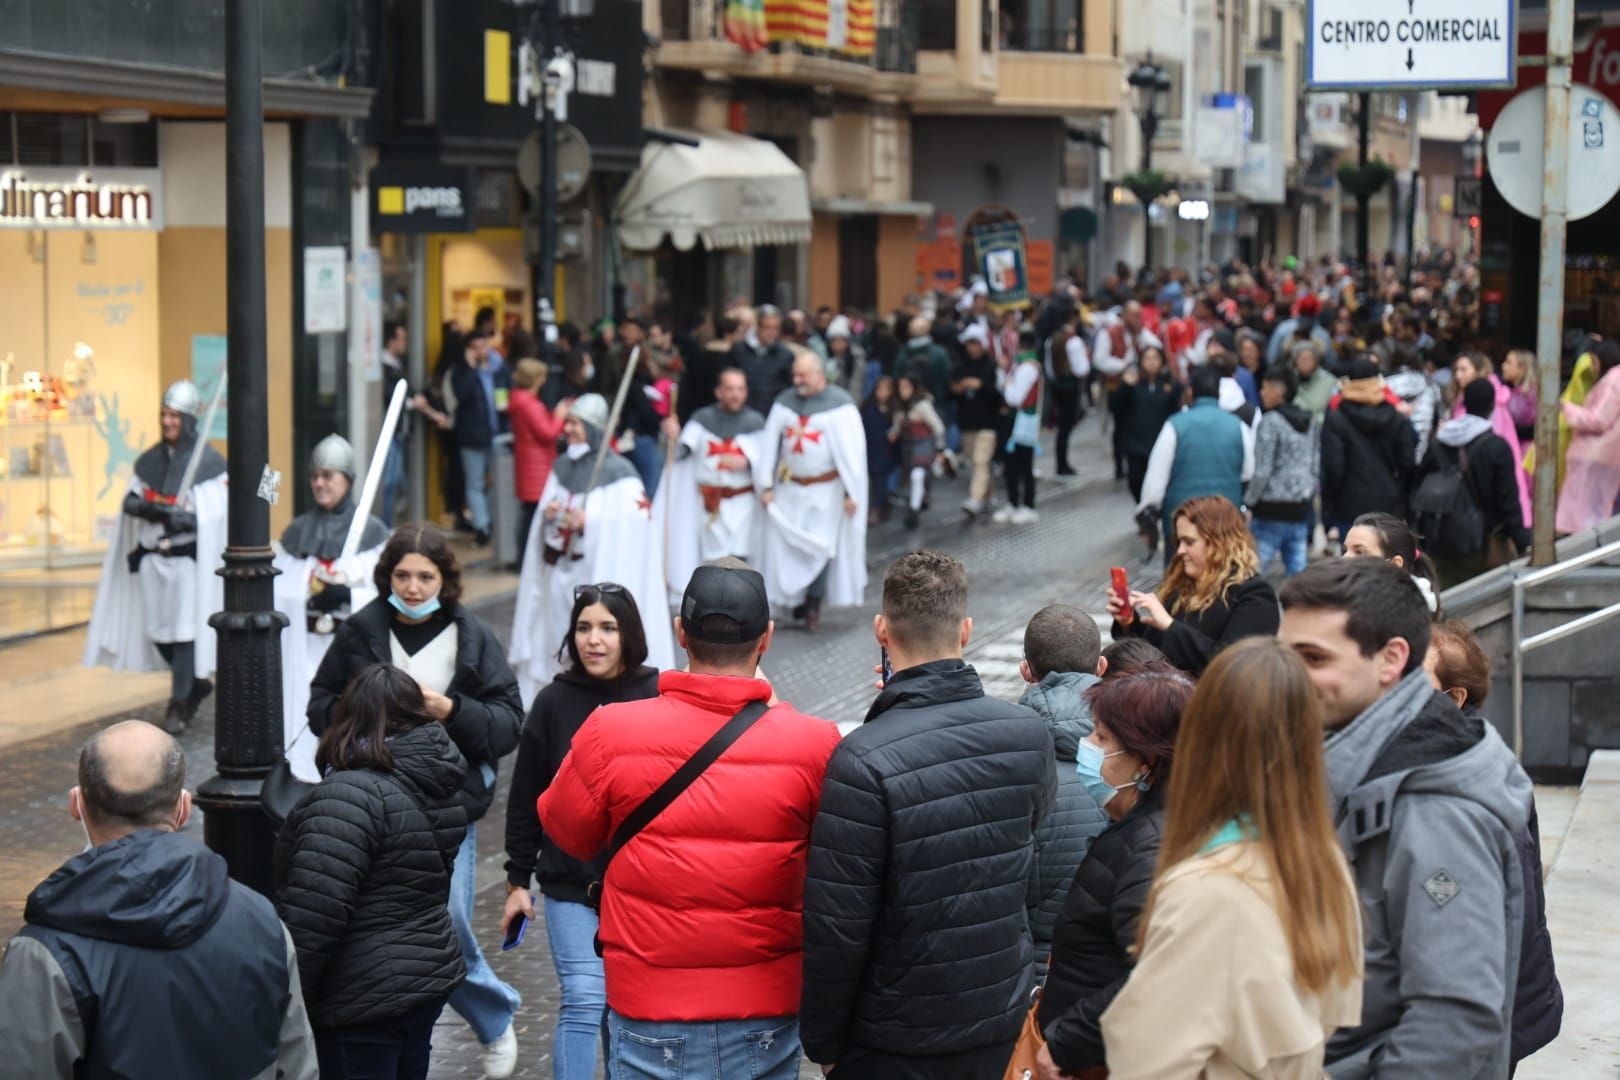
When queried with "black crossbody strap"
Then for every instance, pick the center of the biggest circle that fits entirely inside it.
(670, 789)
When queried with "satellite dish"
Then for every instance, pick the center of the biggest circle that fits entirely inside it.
(1514, 151)
(573, 163)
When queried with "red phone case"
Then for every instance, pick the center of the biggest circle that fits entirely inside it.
(1122, 589)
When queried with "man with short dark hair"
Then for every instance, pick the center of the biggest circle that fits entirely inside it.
(770, 366)
(700, 933)
(1062, 662)
(1203, 450)
(703, 367)
(1428, 803)
(141, 957)
(917, 950)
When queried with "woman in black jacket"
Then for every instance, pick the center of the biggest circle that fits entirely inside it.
(606, 653)
(1212, 596)
(1147, 395)
(363, 874)
(417, 624)
(1125, 764)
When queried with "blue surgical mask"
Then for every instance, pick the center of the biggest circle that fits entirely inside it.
(420, 611)
(1088, 763)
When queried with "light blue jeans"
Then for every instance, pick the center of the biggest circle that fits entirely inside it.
(486, 1003)
(475, 471)
(582, 1017)
(1290, 539)
(765, 1049)
(393, 482)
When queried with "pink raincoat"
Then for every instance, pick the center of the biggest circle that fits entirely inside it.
(1502, 424)
(1592, 477)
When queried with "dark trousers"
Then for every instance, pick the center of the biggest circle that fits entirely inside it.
(452, 485)
(1136, 474)
(181, 656)
(1068, 411)
(525, 522)
(817, 589)
(393, 1050)
(987, 1061)
(1021, 477)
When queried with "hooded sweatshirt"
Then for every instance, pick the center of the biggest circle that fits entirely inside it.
(1285, 466)
(1428, 804)
(1414, 388)
(1491, 473)
(1064, 836)
(1367, 454)
(142, 958)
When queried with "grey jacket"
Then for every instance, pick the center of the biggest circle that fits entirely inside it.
(1285, 462)
(1062, 840)
(1428, 804)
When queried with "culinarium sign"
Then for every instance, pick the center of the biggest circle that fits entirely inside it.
(81, 199)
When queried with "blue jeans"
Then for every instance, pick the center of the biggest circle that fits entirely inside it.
(475, 472)
(648, 461)
(1290, 539)
(582, 1018)
(486, 1003)
(396, 1049)
(721, 1050)
(393, 481)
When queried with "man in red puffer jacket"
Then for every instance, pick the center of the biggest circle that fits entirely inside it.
(702, 910)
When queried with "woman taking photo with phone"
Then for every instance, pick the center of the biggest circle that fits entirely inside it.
(418, 624)
(604, 658)
(363, 875)
(1251, 938)
(1212, 596)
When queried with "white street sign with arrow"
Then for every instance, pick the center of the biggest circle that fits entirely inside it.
(1410, 44)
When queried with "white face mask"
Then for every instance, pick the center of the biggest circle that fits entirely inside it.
(578, 450)
(88, 843)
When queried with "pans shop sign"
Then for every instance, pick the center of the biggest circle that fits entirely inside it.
(422, 199)
(77, 198)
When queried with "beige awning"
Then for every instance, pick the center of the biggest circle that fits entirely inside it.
(728, 191)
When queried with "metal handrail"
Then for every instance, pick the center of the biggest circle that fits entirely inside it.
(1525, 580)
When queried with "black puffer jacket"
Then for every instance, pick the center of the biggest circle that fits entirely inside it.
(363, 878)
(915, 931)
(1090, 951)
(488, 712)
(559, 711)
(1367, 461)
(1141, 411)
(1195, 637)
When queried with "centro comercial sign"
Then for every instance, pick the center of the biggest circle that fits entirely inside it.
(59, 198)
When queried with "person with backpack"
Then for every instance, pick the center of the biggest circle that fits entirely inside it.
(1466, 505)
(1367, 450)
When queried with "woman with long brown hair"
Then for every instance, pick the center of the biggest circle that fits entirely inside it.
(1212, 596)
(1251, 938)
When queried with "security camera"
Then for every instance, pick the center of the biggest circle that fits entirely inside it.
(558, 71)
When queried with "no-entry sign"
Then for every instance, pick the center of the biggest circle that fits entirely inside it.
(1409, 44)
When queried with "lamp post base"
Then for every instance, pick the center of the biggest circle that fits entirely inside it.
(235, 826)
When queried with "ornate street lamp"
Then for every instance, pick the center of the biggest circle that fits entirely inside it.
(1149, 83)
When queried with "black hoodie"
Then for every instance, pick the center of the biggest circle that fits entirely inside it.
(1367, 461)
(559, 711)
(174, 969)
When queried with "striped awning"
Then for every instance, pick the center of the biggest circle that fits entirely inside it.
(728, 191)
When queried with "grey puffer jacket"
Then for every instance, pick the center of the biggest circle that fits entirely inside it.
(1429, 805)
(1062, 840)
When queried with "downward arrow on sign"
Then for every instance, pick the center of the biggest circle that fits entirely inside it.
(1408, 59)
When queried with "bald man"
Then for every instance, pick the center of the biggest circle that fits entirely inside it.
(140, 956)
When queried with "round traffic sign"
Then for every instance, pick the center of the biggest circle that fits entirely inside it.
(573, 163)
(1514, 151)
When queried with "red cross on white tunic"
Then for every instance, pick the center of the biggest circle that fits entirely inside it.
(644, 504)
(800, 433)
(722, 448)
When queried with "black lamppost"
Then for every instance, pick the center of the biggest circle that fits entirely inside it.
(556, 74)
(247, 710)
(1150, 83)
(1472, 151)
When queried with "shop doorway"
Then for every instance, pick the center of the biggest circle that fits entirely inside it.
(857, 261)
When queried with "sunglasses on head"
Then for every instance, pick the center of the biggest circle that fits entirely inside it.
(605, 588)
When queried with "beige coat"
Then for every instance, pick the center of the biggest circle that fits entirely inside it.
(1213, 993)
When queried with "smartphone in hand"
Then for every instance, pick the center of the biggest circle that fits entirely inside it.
(1122, 590)
(514, 933)
(888, 668)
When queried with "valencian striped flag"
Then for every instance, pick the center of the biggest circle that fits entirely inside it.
(745, 24)
(841, 26)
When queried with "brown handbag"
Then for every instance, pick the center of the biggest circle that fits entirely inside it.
(1028, 1046)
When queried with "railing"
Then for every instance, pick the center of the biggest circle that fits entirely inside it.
(1526, 580)
(894, 50)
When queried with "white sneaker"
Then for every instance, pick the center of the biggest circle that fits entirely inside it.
(1025, 515)
(1004, 516)
(972, 506)
(500, 1056)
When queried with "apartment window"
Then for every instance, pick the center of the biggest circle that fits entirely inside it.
(936, 28)
(1254, 88)
(1041, 26)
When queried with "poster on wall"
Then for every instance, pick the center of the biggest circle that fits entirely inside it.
(1040, 256)
(325, 303)
(999, 251)
(207, 368)
(368, 313)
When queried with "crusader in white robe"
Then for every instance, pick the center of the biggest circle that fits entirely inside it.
(318, 588)
(159, 584)
(587, 533)
(815, 497)
(709, 508)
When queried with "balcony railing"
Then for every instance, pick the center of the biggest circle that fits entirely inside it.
(895, 48)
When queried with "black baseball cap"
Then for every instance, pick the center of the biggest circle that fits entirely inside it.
(737, 593)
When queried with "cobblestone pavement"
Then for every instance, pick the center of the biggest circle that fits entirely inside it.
(1085, 526)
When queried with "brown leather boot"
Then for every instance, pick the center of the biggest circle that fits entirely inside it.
(812, 616)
